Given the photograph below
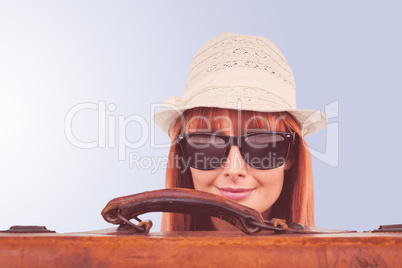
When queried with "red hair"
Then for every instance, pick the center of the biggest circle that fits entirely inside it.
(296, 201)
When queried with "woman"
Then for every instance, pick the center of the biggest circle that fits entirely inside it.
(236, 132)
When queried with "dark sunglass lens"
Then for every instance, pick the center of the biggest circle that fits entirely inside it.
(205, 151)
(265, 150)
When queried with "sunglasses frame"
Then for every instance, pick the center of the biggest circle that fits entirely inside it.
(233, 140)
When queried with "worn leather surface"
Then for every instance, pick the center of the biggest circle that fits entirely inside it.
(182, 201)
(194, 202)
(200, 249)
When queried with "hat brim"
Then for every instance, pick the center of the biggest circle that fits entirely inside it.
(310, 121)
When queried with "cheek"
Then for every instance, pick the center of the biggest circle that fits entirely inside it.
(269, 177)
(271, 184)
(204, 179)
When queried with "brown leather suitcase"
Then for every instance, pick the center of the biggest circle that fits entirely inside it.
(201, 249)
(312, 247)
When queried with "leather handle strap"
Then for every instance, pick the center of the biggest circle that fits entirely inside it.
(122, 209)
(188, 201)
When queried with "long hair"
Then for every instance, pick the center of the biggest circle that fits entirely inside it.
(296, 201)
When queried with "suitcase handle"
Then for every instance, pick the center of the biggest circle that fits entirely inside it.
(122, 209)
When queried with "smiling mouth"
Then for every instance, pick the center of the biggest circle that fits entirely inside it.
(235, 194)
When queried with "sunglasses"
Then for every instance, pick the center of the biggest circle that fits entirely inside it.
(261, 150)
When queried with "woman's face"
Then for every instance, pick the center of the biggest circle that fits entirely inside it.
(236, 180)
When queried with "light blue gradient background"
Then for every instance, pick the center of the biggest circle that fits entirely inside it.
(57, 54)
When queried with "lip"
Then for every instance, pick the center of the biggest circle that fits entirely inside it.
(235, 193)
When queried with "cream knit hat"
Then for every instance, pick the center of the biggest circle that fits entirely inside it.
(236, 71)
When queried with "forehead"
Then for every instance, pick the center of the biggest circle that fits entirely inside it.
(231, 122)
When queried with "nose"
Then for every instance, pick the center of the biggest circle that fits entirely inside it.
(235, 166)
